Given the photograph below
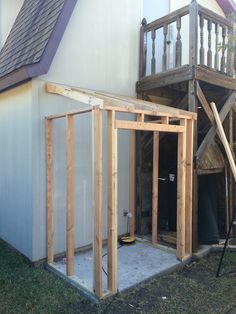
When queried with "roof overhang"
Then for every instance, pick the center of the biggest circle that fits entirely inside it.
(28, 72)
(227, 6)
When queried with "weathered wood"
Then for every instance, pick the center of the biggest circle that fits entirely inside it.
(50, 189)
(97, 202)
(112, 201)
(145, 126)
(189, 187)
(70, 196)
(209, 52)
(224, 139)
(164, 57)
(230, 176)
(181, 193)
(193, 33)
(143, 50)
(205, 104)
(211, 15)
(216, 59)
(153, 61)
(215, 78)
(202, 51)
(178, 60)
(132, 158)
(167, 19)
(155, 187)
(222, 64)
(212, 132)
(166, 78)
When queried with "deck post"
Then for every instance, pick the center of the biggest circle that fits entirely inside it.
(97, 201)
(70, 196)
(112, 201)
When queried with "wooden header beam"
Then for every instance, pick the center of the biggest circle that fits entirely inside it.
(147, 126)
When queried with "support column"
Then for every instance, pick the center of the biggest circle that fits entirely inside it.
(97, 202)
(181, 193)
(155, 187)
(50, 203)
(112, 201)
(132, 182)
(189, 187)
(192, 106)
(70, 196)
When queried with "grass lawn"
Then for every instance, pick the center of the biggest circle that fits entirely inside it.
(24, 289)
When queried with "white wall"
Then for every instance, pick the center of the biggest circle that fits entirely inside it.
(209, 4)
(16, 168)
(8, 13)
(48, 104)
(100, 48)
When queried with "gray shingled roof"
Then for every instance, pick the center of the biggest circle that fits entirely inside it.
(30, 34)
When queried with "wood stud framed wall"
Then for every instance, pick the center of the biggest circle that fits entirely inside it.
(167, 120)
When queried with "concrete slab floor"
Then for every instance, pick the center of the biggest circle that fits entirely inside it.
(136, 263)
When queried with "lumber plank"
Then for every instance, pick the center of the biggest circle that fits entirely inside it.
(155, 187)
(70, 196)
(132, 182)
(112, 201)
(181, 193)
(71, 113)
(97, 201)
(224, 139)
(146, 126)
(75, 95)
(189, 187)
(49, 178)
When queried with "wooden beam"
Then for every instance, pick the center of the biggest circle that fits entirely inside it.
(112, 202)
(189, 187)
(132, 152)
(72, 94)
(224, 140)
(212, 132)
(97, 202)
(181, 193)
(155, 187)
(71, 113)
(205, 104)
(70, 196)
(50, 189)
(147, 126)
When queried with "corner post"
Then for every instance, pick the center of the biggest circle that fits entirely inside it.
(97, 201)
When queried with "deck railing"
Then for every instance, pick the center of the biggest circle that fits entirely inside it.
(191, 35)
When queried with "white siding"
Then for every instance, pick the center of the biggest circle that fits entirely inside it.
(100, 48)
(49, 104)
(16, 169)
(209, 4)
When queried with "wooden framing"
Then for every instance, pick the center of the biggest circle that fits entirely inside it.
(167, 120)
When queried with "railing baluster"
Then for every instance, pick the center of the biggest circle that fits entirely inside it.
(153, 62)
(230, 52)
(222, 67)
(202, 51)
(217, 46)
(209, 52)
(164, 57)
(143, 50)
(178, 60)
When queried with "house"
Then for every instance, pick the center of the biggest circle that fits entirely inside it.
(96, 46)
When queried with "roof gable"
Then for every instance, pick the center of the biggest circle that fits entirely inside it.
(33, 40)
